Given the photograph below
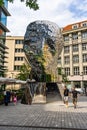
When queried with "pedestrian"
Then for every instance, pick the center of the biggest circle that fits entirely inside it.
(15, 99)
(6, 99)
(8, 95)
(74, 97)
(66, 94)
(4, 92)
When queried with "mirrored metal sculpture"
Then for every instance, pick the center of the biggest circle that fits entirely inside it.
(43, 43)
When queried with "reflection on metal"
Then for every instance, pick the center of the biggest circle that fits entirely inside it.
(35, 92)
(43, 38)
(38, 91)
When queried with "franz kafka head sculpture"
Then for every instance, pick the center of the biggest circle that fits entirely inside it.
(43, 37)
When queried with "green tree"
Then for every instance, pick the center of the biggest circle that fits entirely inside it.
(64, 77)
(32, 4)
(24, 72)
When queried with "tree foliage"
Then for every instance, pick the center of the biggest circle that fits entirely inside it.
(32, 4)
(64, 77)
(24, 72)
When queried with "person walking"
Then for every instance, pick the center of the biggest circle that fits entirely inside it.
(5, 98)
(74, 97)
(15, 99)
(66, 94)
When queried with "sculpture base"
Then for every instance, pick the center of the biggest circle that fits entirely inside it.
(39, 99)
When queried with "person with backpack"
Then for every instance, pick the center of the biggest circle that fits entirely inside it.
(74, 97)
(66, 95)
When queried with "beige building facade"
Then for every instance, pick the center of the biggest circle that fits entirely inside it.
(73, 59)
(15, 57)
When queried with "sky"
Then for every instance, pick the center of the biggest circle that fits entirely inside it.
(61, 12)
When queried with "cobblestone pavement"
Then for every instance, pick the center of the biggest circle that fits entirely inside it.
(50, 116)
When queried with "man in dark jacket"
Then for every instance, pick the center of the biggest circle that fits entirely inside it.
(66, 94)
(6, 99)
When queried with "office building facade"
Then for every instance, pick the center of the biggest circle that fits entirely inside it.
(73, 59)
(15, 57)
(3, 29)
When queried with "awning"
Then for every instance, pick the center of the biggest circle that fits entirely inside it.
(11, 81)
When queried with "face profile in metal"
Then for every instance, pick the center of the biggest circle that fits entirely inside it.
(40, 34)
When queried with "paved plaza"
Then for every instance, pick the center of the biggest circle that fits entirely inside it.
(51, 116)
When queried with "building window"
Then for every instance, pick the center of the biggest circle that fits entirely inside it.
(84, 46)
(15, 50)
(59, 60)
(84, 24)
(18, 58)
(3, 18)
(67, 71)
(75, 48)
(76, 70)
(84, 35)
(18, 50)
(75, 59)
(84, 57)
(18, 41)
(66, 38)
(75, 26)
(85, 70)
(74, 36)
(66, 60)
(66, 49)
(17, 67)
(22, 50)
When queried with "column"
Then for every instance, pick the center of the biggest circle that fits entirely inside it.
(80, 58)
(71, 54)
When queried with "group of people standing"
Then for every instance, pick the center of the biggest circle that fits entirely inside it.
(10, 97)
(73, 94)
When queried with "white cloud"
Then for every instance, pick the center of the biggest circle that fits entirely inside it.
(57, 11)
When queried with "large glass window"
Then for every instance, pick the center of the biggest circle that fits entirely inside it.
(66, 59)
(84, 46)
(85, 70)
(84, 35)
(66, 49)
(76, 70)
(75, 59)
(6, 3)
(75, 48)
(84, 57)
(3, 18)
(67, 71)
